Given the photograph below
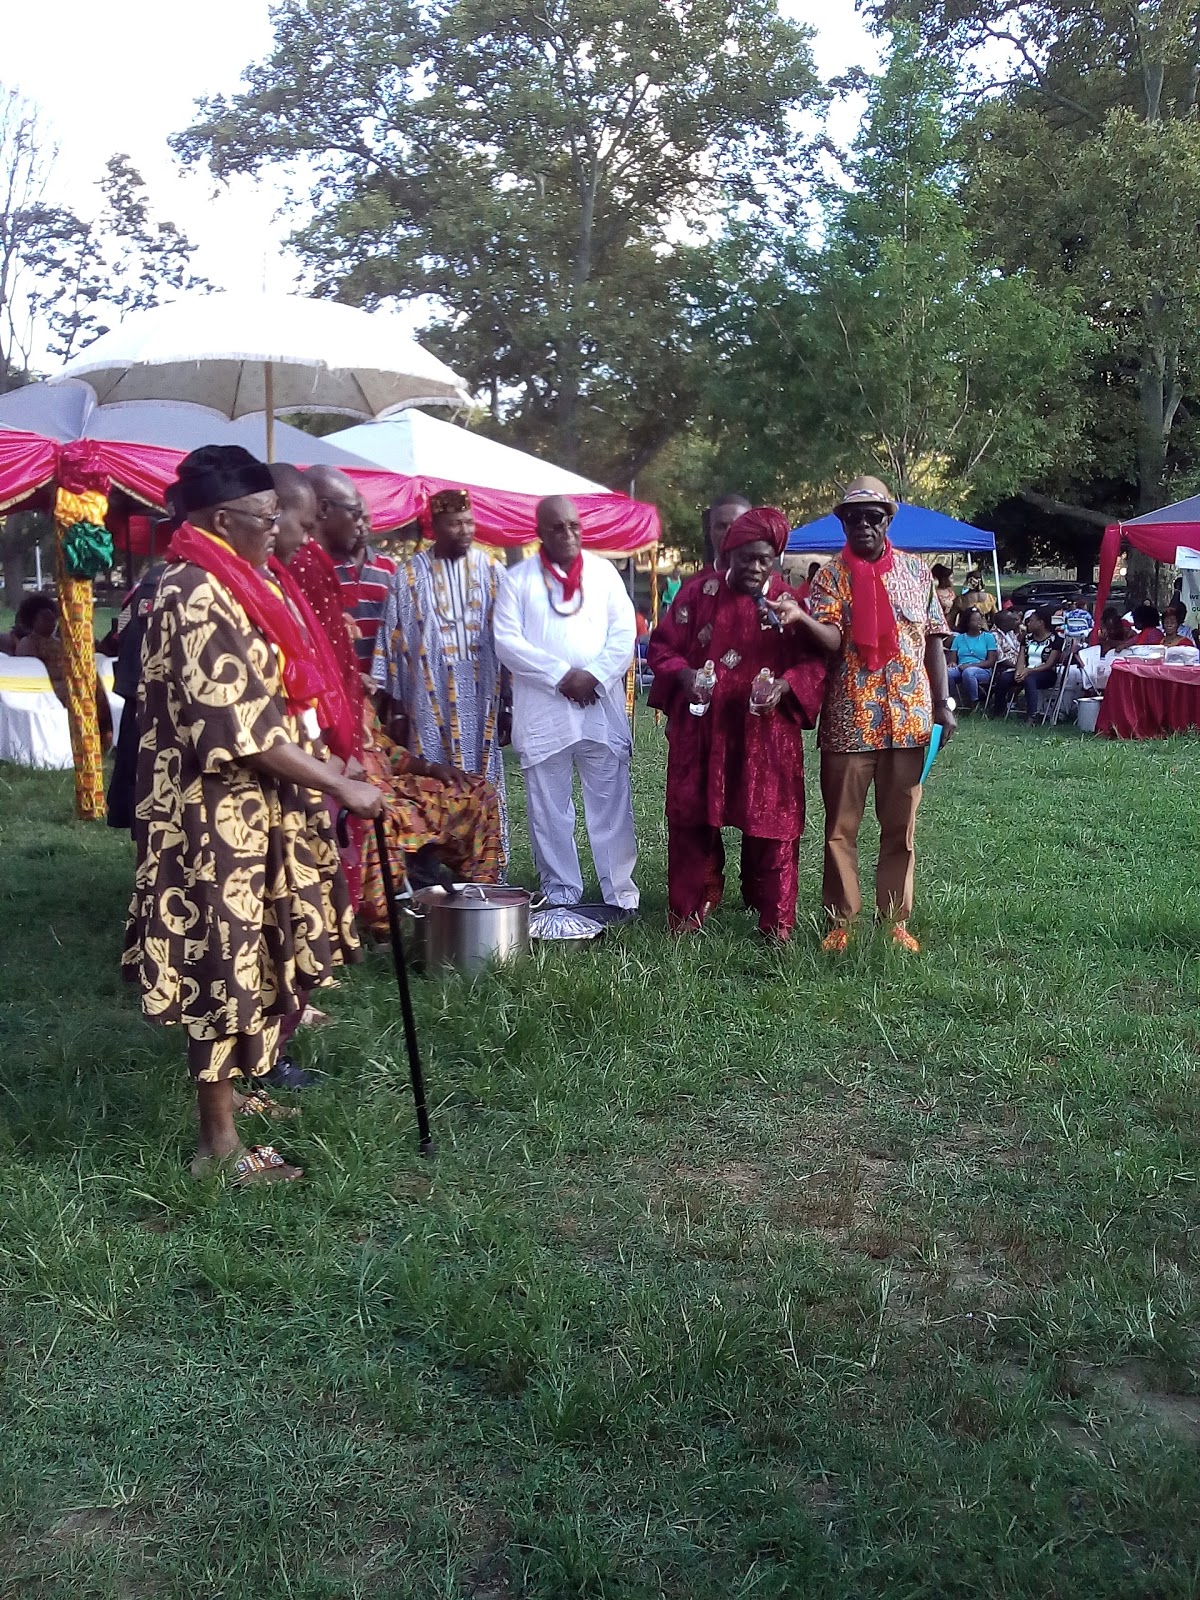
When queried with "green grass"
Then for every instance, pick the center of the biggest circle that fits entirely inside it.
(738, 1273)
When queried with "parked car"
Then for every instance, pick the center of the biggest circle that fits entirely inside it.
(1063, 594)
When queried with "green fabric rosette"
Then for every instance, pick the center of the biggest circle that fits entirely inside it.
(87, 550)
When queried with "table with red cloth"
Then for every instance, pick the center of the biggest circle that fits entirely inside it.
(1147, 699)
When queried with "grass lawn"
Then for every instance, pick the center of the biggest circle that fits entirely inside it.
(739, 1272)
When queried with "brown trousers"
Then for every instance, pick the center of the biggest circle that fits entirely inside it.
(845, 781)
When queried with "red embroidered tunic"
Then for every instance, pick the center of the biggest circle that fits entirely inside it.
(730, 768)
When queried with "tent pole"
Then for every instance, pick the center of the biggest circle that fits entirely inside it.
(269, 403)
(996, 571)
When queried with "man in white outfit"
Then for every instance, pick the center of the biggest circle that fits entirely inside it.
(565, 628)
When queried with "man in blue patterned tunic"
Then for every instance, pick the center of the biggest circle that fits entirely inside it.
(435, 654)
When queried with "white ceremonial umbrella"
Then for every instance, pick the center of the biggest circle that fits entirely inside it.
(243, 353)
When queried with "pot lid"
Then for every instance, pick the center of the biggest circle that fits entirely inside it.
(473, 896)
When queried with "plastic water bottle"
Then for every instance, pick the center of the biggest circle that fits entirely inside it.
(705, 679)
(759, 689)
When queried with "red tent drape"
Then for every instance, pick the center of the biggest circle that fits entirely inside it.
(611, 522)
(1158, 540)
(27, 463)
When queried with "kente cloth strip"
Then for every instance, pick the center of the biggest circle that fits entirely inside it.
(460, 821)
(81, 500)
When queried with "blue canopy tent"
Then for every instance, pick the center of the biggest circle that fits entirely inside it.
(913, 528)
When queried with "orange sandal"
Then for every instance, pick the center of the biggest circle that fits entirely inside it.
(903, 940)
(836, 942)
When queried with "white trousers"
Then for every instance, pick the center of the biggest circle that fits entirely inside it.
(607, 810)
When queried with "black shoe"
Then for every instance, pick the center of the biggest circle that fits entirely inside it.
(285, 1074)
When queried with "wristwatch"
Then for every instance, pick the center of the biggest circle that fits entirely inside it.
(949, 704)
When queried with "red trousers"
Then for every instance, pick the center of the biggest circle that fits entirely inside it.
(696, 877)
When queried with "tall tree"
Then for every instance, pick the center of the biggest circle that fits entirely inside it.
(63, 280)
(1084, 167)
(26, 159)
(529, 164)
(895, 345)
(91, 274)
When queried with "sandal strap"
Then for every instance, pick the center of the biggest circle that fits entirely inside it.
(261, 1158)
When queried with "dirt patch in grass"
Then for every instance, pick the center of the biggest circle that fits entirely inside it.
(743, 1180)
(1177, 1415)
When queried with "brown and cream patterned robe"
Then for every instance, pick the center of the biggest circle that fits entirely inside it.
(238, 899)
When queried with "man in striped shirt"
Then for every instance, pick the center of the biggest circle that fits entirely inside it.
(366, 580)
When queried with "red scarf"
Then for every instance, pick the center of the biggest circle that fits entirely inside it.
(306, 681)
(571, 580)
(872, 619)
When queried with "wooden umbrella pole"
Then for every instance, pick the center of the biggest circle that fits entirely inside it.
(269, 402)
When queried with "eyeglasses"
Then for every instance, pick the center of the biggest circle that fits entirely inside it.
(269, 519)
(353, 511)
(869, 515)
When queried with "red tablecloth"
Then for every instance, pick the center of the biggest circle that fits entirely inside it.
(1147, 699)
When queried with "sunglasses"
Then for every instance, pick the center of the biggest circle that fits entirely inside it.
(871, 516)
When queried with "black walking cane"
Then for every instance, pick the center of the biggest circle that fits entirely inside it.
(424, 1137)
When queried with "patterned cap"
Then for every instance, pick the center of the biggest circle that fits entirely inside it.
(449, 500)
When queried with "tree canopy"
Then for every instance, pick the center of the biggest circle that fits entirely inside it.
(893, 344)
(533, 168)
(1082, 167)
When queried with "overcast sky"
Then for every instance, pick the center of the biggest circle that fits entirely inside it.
(111, 77)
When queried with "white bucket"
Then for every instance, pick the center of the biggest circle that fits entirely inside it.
(1086, 713)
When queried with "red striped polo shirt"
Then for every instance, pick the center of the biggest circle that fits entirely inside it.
(364, 593)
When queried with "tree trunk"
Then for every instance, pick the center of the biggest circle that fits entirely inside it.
(569, 364)
(1140, 575)
(14, 573)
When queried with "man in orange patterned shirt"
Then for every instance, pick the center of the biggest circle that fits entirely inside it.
(876, 610)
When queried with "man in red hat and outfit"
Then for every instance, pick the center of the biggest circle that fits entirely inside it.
(876, 608)
(739, 762)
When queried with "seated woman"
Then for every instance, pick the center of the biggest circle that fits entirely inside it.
(37, 623)
(1096, 660)
(1174, 633)
(1145, 624)
(973, 654)
(1038, 660)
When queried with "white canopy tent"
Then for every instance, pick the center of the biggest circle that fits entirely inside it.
(423, 446)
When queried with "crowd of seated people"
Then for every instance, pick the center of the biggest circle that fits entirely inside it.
(1005, 660)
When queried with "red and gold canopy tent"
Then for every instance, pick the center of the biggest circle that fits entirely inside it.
(74, 476)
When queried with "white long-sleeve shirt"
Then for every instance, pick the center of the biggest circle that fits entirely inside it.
(539, 647)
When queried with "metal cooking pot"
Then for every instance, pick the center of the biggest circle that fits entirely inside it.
(472, 924)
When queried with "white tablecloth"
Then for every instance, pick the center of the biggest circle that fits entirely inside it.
(34, 731)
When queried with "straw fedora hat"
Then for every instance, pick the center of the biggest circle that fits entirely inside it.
(865, 492)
